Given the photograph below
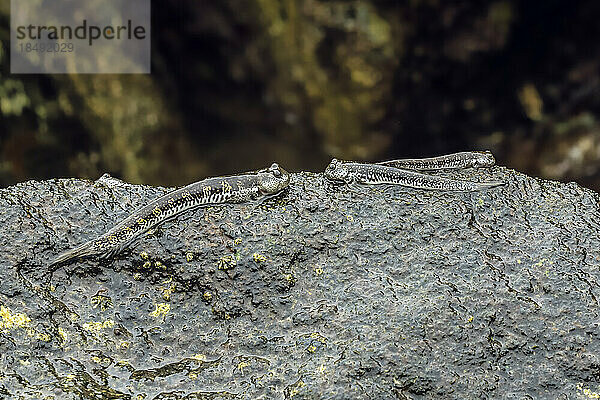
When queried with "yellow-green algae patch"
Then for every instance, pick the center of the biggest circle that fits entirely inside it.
(227, 262)
(96, 327)
(258, 257)
(161, 310)
(14, 320)
(11, 320)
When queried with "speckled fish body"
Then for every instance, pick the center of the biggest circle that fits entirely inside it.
(374, 174)
(208, 192)
(463, 159)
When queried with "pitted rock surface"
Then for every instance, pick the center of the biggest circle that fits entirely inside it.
(324, 292)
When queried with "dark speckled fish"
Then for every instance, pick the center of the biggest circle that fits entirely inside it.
(208, 192)
(384, 173)
(465, 159)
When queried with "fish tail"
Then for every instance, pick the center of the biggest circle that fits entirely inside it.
(493, 184)
(84, 250)
(468, 186)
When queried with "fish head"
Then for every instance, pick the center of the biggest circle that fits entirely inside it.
(273, 179)
(337, 171)
(483, 159)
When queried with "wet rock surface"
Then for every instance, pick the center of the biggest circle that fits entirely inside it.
(324, 292)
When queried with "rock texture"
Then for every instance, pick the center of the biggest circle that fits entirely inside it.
(326, 292)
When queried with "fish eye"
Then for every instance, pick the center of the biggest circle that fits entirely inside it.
(274, 168)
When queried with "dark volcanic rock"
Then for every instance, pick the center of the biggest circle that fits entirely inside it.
(324, 292)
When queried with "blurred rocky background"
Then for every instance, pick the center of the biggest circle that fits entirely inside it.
(236, 85)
